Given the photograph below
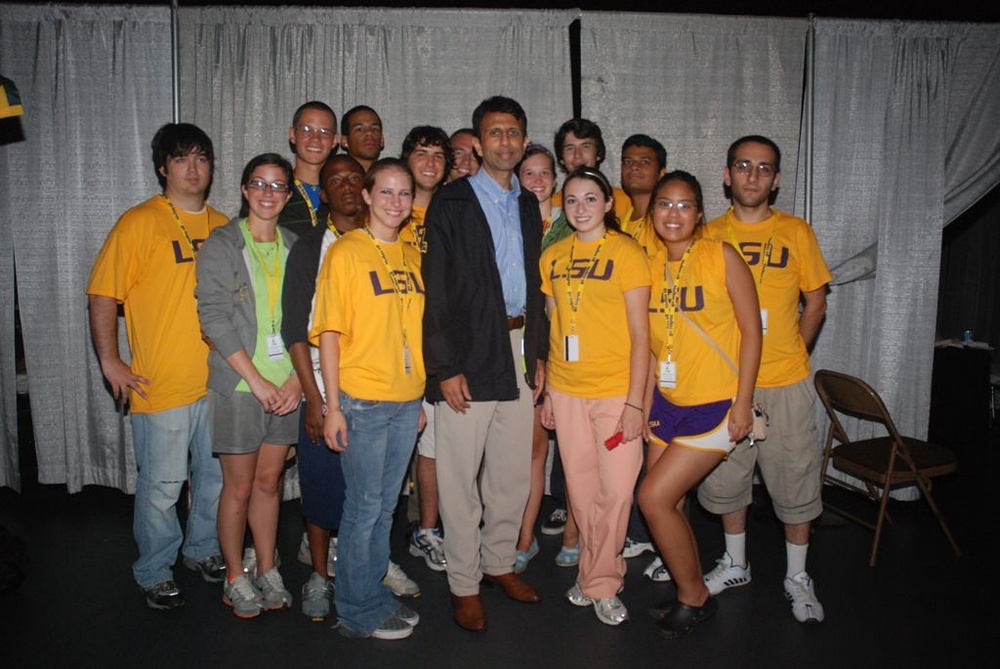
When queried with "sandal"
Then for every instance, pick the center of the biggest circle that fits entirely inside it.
(522, 558)
(682, 618)
(569, 556)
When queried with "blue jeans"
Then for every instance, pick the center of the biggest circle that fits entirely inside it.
(381, 437)
(162, 443)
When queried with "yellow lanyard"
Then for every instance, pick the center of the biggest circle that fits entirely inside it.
(273, 280)
(574, 306)
(308, 201)
(404, 303)
(329, 223)
(180, 225)
(670, 297)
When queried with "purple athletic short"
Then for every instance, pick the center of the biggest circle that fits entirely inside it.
(668, 421)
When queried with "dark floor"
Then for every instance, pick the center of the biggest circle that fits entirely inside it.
(919, 607)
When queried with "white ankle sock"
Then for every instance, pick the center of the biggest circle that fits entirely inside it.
(736, 547)
(796, 558)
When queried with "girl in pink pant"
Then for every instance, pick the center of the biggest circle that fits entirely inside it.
(596, 284)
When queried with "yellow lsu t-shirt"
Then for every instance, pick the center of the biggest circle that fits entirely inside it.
(355, 297)
(598, 281)
(795, 266)
(703, 375)
(642, 231)
(414, 233)
(147, 264)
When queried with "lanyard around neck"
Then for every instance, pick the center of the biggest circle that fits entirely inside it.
(574, 305)
(308, 201)
(670, 297)
(273, 278)
(404, 302)
(180, 223)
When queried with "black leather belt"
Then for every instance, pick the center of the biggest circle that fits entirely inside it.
(515, 322)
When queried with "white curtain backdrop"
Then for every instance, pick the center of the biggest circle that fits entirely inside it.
(695, 83)
(906, 121)
(905, 138)
(245, 70)
(95, 83)
(972, 154)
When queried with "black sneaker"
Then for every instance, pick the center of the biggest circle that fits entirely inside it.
(211, 568)
(163, 596)
(555, 523)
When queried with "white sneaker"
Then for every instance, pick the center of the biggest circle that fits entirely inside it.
(635, 548)
(657, 571)
(610, 611)
(400, 584)
(429, 545)
(726, 575)
(305, 557)
(250, 560)
(805, 607)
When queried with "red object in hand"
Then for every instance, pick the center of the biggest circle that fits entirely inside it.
(611, 443)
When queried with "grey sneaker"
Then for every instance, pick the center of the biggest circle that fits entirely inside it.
(305, 557)
(429, 545)
(407, 615)
(657, 571)
(800, 592)
(390, 628)
(163, 596)
(273, 591)
(400, 584)
(316, 595)
(211, 568)
(243, 596)
(577, 598)
(635, 548)
(610, 611)
(726, 575)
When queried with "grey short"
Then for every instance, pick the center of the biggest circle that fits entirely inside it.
(240, 424)
(789, 460)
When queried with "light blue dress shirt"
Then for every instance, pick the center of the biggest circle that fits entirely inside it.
(503, 213)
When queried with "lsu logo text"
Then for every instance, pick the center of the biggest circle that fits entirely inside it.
(752, 252)
(403, 281)
(692, 299)
(182, 253)
(582, 267)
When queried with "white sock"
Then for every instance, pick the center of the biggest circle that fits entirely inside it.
(796, 557)
(736, 548)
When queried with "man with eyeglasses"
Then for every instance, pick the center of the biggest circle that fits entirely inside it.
(485, 340)
(788, 267)
(313, 137)
(147, 266)
(361, 135)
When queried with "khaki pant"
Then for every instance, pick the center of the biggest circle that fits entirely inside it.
(483, 470)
